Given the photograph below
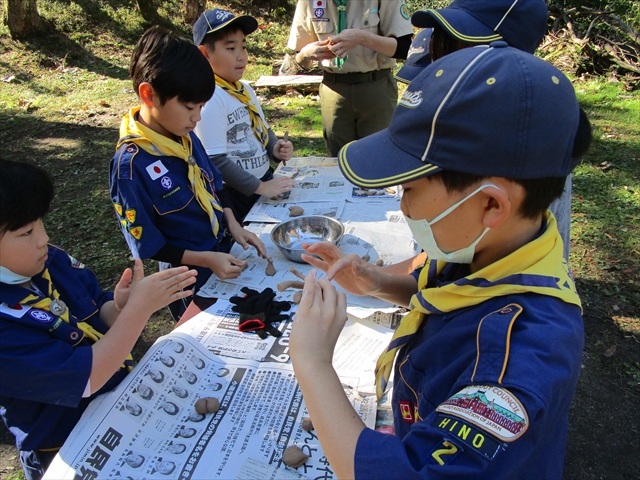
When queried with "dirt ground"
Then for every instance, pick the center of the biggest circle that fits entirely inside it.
(604, 434)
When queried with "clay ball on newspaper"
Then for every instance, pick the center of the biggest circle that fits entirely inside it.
(207, 405)
(294, 457)
(307, 424)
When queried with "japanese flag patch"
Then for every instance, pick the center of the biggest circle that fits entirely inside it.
(15, 311)
(319, 3)
(156, 170)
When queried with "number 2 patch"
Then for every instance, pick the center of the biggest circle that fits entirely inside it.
(444, 452)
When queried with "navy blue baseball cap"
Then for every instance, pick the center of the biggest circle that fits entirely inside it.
(213, 20)
(418, 56)
(521, 23)
(486, 110)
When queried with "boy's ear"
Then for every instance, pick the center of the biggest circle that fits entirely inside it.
(204, 51)
(146, 93)
(497, 207)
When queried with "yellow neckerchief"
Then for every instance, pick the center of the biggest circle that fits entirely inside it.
(91, 333)
(237, 91)
(132, 131)
(537, 267)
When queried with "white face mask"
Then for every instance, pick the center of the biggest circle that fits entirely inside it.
(10, 278)
(423, 235)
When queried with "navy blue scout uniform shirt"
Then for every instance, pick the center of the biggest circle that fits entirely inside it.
(44, 374)
(481, 392)
(154, 202)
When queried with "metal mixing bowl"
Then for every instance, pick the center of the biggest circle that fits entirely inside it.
(289, 235)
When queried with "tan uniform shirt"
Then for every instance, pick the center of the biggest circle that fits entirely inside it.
(318, 19)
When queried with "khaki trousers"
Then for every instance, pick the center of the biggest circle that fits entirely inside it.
(353, 111)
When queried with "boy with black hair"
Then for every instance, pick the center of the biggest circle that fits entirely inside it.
(520, 23)
(233, 128)
(489, 356)
(63, 340)
(166, 193)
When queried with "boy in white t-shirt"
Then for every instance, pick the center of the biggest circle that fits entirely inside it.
(233, 128)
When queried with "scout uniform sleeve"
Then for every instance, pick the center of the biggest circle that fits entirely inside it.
(302, 32)
(59, 370)
(394, 18)
(133, 206)
(505, 417)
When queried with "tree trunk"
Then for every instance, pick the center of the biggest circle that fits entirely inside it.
(148, 11)
(192, 10)
(23, 18)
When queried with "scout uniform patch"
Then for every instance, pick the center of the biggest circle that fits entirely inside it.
(136, 232)
(118, 208)
(76, 263)
(131, 215)
(156, 170)
(493, 409)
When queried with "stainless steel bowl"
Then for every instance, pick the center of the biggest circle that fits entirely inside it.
(289, 235)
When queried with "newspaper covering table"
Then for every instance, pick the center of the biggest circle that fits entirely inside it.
(374, 226)
(148, 427)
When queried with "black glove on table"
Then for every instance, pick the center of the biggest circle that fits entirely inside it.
(258, 311)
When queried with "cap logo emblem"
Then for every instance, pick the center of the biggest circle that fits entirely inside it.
(411, 99)
(415, 50)
(221, 15)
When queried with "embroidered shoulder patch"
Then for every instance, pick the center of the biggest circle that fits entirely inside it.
(136, 232)
(493, 409)
(76, 263)
(118, 208)
(131, 215)
(404, 11)
(458, 430)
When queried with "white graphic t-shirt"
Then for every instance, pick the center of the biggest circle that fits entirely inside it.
(225, 127)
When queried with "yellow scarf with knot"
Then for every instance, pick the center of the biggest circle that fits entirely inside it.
(237, 91)
(35, 301)
(537, 267)
(132, 131)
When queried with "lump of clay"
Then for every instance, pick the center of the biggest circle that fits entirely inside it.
(307, 424)
(297, 297)
(295, 211)
(294, 457)
(380, 262)
(270, 270)
(366, 257)
(207, 405)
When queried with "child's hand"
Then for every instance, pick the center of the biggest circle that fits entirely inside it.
(318, 322)
(224, 265)
(349, 271)
(273, 188)
(245, 238)
(155, 291)
(283, 149)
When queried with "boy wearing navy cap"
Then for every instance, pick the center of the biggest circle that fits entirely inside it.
(419, 56)
(520, 23)
(63, 340)
(165, 191)
(233, 128)
(489, 356)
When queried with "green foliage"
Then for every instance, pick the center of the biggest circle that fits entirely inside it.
(628, 10)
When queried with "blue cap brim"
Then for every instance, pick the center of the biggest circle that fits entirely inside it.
(390, 166)
(409, 72)
(455, 22)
